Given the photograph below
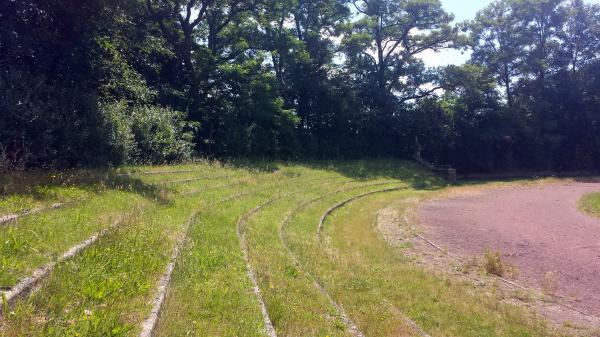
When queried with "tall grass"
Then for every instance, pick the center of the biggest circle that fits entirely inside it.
(105, 290)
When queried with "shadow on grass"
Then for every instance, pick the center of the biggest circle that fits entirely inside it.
(580, 176)
(255, 165)
(36, 183)
(532, 177)
(588, 179)
(409, 172)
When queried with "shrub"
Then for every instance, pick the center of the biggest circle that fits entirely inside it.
(45, 124)
(492, 263)
(549, 283)
(147, 134)
(161, 135)
(117, 127)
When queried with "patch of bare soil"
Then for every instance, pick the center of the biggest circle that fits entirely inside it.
(538, 229)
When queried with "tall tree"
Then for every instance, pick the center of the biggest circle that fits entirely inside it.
(580, 35)
(497, 44)
(539, 23)
(386, 43)
(300, 36)
(316, 25)
(192, 27)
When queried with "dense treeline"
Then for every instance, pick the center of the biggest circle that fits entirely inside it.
(96, 82)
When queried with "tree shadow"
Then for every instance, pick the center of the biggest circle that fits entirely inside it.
(412, 173)
(35, 184)
(261, 165)
(409, 172)
(578, 176)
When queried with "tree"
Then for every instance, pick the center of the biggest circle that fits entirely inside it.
(113, 81)
(539, 23)
(193, 28)
(580, 35)
(300, 37)
(67, 65)
(537, 50)
(386, 42)
(466, 127)
(497, 44)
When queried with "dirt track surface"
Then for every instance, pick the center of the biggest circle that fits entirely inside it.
(538, 229)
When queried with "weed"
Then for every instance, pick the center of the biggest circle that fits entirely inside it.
(470, 265)
(511, 271)
(590, 204)
(523, 296)
(549, 283)
(492, 263)
(4, 303)
(568, 324)
(291, 271)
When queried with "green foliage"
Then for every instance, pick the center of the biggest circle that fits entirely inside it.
(105, 82)
(161, 135)
(92, 52)
(386, 43)
(529, 47)
(147, 134)
(467, 126)
(45, 124)
(117, 126)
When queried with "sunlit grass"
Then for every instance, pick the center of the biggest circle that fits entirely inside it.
(210, 291)
(105, 290)
(590, 204)
(41, 197)
(211, 269)
(295, 306)
(29, 242)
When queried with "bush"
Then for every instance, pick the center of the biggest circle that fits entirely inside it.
(147, 134)
(492, 263)
(117, 128)
(161, 135)
(46, 124)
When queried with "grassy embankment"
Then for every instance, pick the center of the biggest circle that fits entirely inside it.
(311, 287)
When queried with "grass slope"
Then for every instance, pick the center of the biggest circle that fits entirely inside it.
(348, 283)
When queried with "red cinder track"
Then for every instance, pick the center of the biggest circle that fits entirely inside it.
(538, 229)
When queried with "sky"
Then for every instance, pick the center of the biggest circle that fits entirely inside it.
(462, 10)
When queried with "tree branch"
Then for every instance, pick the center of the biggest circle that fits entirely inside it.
(422, 94)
